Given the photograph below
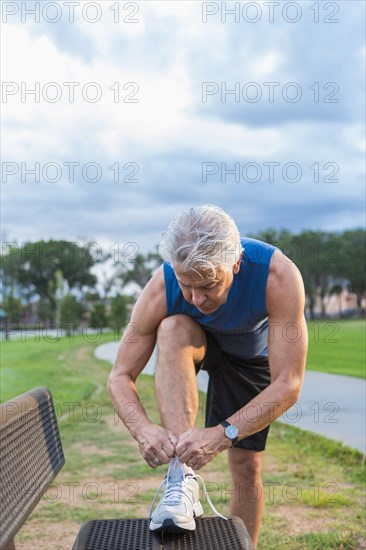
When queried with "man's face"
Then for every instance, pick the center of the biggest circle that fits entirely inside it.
(205, 291)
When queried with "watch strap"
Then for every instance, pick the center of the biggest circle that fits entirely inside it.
(225, 423)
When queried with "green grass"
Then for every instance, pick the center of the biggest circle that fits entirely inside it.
(337, 347)
(313, 487)
(30, 363)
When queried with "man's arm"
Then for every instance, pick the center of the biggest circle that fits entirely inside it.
(135, 349)
(287, 348)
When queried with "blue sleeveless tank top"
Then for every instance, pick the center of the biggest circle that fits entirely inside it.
(241, 324)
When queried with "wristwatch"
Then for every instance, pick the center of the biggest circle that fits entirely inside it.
(231, 432)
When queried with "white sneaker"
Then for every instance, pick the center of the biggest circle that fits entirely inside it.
(180, 503)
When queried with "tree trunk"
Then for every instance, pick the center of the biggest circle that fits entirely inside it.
(311, 306)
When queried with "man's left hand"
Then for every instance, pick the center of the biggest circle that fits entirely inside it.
(198, 446)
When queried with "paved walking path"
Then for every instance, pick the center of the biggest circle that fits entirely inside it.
(330, 405)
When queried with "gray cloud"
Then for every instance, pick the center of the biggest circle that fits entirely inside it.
(170, 162)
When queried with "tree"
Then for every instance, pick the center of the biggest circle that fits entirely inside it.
(44, 311)
(44, 267)
(13, 281)
(70, 312)
(119, 314)
(140, 269)
(98, 318)
(282, 238)
(316, 254)
(92, 296)
(13, 308)
(353, 261)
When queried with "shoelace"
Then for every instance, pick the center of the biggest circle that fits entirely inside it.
(175, 488)
(197, 476)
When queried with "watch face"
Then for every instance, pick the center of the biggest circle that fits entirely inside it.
(231, 432)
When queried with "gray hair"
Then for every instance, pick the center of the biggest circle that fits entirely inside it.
(201, 238)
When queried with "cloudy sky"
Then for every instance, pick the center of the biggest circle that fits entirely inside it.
(118, 115)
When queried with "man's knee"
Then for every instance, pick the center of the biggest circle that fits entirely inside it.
(245, 464)
(179, 330)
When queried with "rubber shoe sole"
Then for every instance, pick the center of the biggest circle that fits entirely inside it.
(169, 525)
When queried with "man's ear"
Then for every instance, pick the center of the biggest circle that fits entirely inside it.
(236, 267)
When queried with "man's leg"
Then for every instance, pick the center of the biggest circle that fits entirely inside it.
(247, 499)
(181, 344)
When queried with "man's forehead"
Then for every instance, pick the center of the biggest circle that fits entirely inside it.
(198, 276)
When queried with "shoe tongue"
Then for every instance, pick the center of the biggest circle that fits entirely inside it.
(176, 472)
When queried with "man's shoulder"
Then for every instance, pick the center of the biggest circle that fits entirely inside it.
(284, 281)
(256, 251)
(281, 268)
(156, 285)
(151, 303)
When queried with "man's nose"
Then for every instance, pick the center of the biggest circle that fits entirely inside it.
(198, 297)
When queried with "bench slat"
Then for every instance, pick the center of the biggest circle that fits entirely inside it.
(30, 456)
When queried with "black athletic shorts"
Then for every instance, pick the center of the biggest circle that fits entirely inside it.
(233, 382)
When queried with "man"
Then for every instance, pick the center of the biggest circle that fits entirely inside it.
(235, 308)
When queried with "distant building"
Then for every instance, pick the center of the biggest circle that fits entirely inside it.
(339, 305)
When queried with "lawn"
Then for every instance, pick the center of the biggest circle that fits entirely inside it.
(314, 487)
(337, 347)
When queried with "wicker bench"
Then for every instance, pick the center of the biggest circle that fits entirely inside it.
(30, 458)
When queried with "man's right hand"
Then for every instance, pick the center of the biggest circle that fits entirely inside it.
(157, 445)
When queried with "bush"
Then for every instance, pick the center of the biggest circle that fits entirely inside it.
(119, 312)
